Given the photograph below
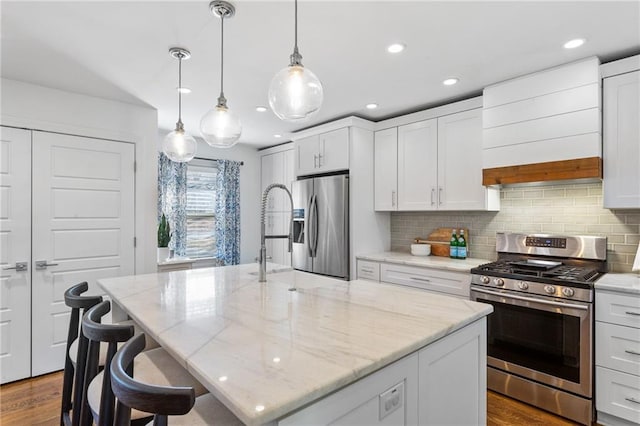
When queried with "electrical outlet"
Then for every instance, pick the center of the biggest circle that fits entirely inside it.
(390, 400)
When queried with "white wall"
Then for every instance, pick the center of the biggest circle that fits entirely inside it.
(42, 108)
(249, 191)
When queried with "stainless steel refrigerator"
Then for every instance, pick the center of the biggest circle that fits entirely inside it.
(321, 225)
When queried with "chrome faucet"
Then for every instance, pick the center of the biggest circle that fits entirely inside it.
(263, 248)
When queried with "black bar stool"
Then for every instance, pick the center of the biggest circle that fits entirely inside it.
(163, 401)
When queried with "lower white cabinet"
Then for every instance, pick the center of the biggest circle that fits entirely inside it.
(435, 280)
(617, 358)
(368, 270)
(443, 383)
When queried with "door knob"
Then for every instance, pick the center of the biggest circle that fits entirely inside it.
(20, 267)
(42, 264)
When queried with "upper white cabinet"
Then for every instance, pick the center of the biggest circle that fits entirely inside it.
(325, 152)
(277, 167)
(433, 164)
(552, 115)
(621, 144)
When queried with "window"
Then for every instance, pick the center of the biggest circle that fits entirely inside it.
(201, 205)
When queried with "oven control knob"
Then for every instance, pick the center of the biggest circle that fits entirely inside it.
(523, 285)
(484, 279)
(550, 289)
(499, 282)
(568, 292)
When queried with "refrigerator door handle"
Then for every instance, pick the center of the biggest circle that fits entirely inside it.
(309, 225)
(315, 225)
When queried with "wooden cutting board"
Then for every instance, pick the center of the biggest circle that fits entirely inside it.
(439, 240)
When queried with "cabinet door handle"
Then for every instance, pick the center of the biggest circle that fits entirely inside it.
(629, 351)
(636, 314)
(20, 267)
(426, 280)
(440, 197)
(371, 272)
(42, 264)
(433, 194)
(320, 156)
(315, 161)
(393, 198)
(635, 401)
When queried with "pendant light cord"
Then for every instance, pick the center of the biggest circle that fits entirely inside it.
(296, 57)
(221, 100)
(180, 56)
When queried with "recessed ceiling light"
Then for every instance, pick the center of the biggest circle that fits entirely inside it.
(572, 44)
(261, 109)
(371, 106)
(222, 378)
(277, 135)
(184, 90)
(396, 48)
(259, 408)
(450, 81)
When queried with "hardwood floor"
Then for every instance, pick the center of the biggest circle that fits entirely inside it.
(37, 402)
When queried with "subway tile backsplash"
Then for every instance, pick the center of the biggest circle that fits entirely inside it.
(572, 209)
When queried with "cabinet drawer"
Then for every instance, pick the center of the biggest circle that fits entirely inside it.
(617, 308)
(618, 347)
(618, 394)
(454, 283)
(368, 270)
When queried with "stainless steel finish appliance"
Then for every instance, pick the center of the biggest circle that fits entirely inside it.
(321, 225)
(540, 335)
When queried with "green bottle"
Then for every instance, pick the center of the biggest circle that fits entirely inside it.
(462, 246)
(453, 245)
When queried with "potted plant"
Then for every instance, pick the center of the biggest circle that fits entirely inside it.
(164, 236)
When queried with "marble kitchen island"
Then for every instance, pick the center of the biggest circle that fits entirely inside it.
(330, 352)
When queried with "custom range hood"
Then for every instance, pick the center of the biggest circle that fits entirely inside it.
(544, 126)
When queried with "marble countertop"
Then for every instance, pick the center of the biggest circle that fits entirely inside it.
(176, 261)
(623, 283)
(438, 262)
(265, 351)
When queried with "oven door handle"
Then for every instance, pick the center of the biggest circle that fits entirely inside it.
(530, 299)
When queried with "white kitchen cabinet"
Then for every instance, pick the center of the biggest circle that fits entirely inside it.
(322, 153)
(436, 163)
(418, 165)
(621, 141)
(386, 169)
(368, 270)
(277, 167)
(617, 358)
(433, 280)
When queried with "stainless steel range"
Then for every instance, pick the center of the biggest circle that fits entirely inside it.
(540, 335)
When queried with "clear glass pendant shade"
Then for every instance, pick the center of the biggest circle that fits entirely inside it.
(295, 93)
(220, 127)
(179, 146)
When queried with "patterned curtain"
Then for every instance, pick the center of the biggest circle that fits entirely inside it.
(228, 212)
(172, 200)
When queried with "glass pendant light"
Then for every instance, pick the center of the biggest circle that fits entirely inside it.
(295, 92)
(179, 145)
(220, 127)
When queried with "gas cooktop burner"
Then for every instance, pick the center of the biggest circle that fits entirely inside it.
(548, 271)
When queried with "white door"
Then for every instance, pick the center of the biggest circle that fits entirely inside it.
(418, 165)
(83, 229)
(15, 248)
(386, 169)
(459, 169)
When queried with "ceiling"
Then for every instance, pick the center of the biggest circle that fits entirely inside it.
(119, 50)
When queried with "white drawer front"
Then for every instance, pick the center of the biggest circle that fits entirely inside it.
(618, 394)
(368, 270)
(454, 283)
(618, 308)
(618, 347)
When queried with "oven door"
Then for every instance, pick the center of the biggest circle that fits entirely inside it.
(542, 339)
